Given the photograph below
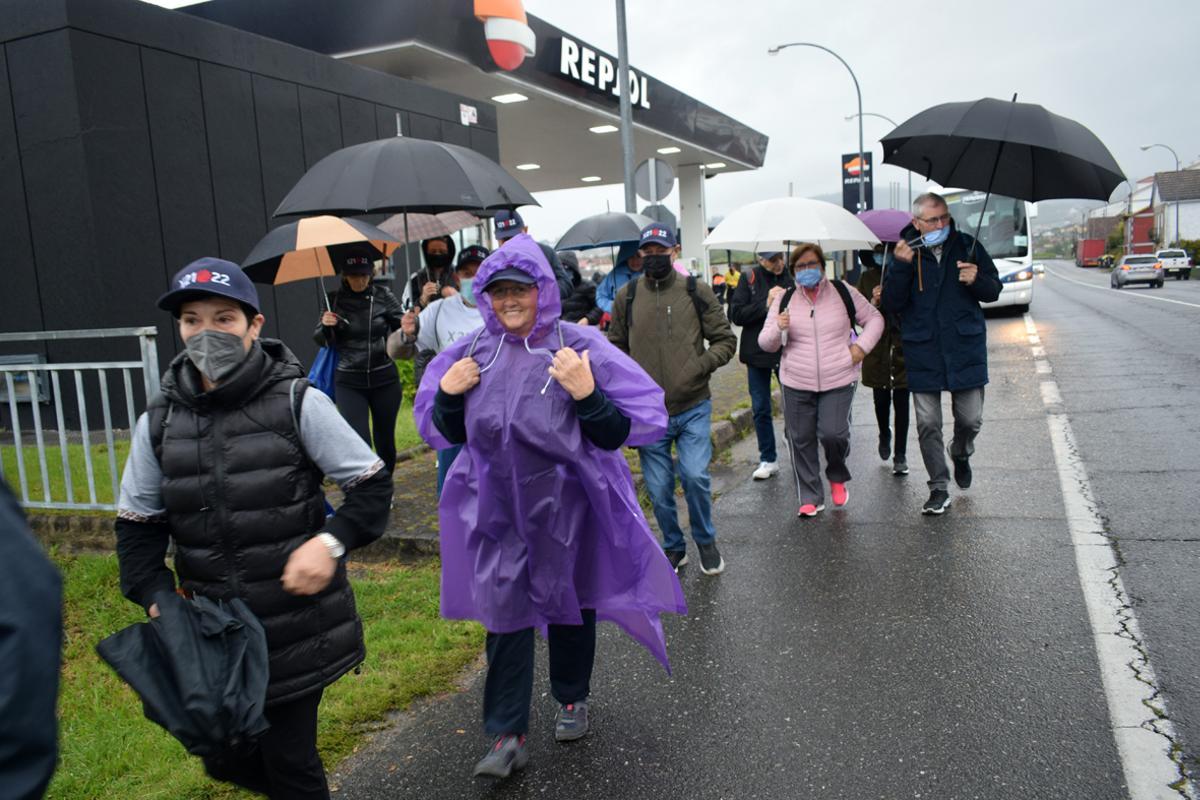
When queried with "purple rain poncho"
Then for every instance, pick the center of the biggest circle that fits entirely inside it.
(536, 521)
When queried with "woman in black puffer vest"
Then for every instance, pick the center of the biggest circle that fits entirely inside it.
(361, 316)
(228, 460)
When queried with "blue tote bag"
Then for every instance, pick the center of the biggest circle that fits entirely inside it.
(323, 369)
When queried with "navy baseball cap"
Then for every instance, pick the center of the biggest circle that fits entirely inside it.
(209, 277)
(657, 233)
(509, 274)
(508, 224)
(474, 252)
(767, 255)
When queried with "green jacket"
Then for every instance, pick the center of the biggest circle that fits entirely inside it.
(666, 338)
(883, 368)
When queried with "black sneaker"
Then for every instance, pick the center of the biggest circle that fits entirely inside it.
(572, 722)
(678, 558)
(711, 562)
(506, 754)
(900, 466)
(885, 446)
(938, 502)
(962, 471)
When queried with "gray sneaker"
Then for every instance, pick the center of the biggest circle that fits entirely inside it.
(572, 722)
(506, 754)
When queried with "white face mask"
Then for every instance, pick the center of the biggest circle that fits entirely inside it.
(216, 354)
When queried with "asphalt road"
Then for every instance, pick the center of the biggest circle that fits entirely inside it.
(876, 653)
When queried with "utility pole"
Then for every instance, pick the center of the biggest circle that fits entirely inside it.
(626, 108)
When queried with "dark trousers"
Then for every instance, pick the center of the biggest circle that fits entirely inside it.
(373, 412)
(284, 764)
(508, 689)
(887, 400)
(759, 381)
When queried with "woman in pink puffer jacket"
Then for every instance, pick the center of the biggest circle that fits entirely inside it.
(819, 371)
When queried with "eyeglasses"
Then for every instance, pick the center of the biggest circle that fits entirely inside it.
(944, 219)
(512, 290)
(808, 265)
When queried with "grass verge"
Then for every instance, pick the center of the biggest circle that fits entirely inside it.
(109, 750)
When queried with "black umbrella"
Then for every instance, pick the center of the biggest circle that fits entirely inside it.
(603, 230)
(401, 174)
(1015, 149)
(200, 668)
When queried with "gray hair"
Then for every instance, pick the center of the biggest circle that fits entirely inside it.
(927, 199)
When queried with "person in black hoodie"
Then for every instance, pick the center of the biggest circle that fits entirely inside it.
(436, 279)
(580, 306)
(361, 315)
(748, 306)
(228, 462)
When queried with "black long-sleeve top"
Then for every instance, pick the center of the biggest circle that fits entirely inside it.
(599, 420)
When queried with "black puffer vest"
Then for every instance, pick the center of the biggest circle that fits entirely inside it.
(241, 495)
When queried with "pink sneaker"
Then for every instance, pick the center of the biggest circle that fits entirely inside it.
(840, 494)
(810, 510)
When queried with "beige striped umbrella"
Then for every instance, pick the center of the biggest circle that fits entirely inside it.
(426, 226)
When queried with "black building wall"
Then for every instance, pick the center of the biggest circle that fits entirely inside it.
(134, 140)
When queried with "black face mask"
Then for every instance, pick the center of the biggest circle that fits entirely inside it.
(657, 266)
(437, 261)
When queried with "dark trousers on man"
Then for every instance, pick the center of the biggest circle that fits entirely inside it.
(283, 764)
(967, 408)
(759, 381)
(508, 689)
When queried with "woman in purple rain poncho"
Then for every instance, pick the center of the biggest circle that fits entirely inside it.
(540, 523)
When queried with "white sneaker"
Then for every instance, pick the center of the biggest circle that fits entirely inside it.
(765, 470)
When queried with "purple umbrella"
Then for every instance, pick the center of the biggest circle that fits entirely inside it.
(885, 223)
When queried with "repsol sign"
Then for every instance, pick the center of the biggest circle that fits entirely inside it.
(581, 64)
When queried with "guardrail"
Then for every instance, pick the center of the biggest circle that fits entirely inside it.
(25, 382)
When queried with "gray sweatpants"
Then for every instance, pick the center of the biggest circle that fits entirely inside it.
(811, 417)
(967, 408)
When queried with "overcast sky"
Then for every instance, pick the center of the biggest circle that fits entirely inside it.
(1125, 70)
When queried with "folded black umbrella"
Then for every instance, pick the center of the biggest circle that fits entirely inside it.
(401, 174)
(200, 668)
(1020, 150)
(603, 230)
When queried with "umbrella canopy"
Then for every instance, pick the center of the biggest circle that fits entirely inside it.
(407, 228)
(886, 223)
(603, 230)
(1015, 149)
(403, 174)
(773, 224)
(308, 248)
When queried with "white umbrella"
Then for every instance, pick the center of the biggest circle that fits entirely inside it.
(773, 224)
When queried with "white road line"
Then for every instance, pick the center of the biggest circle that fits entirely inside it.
(1043, 367)
(1144, 738)
(1141, 295)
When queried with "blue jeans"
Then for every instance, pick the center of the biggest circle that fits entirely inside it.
(444, 459)
(759, 380)
(691, 433)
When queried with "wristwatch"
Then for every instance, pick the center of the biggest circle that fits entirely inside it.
(336, 548)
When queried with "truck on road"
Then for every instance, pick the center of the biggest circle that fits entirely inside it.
(1175, 262)
(1088, 252)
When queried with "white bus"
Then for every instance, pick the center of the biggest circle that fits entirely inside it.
(1007, 236)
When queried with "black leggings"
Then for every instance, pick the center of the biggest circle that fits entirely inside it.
(283, 763)
(885, 400)
(374, 411)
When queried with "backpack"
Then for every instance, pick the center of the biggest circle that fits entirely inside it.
(842, 291)
(697, 302)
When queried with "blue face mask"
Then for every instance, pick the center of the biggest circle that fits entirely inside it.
(934, 238)
(809, 278)
(468, 292)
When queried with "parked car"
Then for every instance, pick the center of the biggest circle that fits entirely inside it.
(1137, 269)
(1175, 262)
(1016, 286)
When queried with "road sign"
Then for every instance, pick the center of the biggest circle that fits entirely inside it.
(660, 213)
(653, 179)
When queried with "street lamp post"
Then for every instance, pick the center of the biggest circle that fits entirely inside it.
(895, 124)
(862, 162)
(626, 108)
(1147, 147)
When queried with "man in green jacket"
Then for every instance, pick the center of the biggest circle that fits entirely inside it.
(663, 320)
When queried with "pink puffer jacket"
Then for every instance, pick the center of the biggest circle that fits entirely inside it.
(817, 355)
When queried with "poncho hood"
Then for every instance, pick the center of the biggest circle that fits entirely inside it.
(522, 252)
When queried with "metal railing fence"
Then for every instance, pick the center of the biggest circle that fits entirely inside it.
(32, 377)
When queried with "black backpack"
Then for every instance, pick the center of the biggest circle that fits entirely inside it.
(697, 301)
(842, 291)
